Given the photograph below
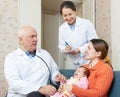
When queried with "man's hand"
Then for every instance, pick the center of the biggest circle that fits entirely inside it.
(60, 78)
(48, 90)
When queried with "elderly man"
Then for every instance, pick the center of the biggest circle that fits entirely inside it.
(28, 70)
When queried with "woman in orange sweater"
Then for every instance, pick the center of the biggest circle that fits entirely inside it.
(101, 73)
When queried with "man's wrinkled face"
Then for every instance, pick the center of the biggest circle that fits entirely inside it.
(29, 40)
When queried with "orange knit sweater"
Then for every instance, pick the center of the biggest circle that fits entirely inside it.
(100, 79)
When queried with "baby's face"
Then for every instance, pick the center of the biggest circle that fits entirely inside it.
(79, 73)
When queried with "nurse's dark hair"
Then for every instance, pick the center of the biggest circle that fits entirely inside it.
(102, 46)
(67, 4)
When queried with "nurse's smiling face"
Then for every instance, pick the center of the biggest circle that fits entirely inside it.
(69, 15)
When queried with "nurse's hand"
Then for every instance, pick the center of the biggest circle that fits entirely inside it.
(74, 52)
(68, 48)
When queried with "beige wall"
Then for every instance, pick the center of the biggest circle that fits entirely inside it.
(115, 33)
(8, 29)
(103, 21)
(108, 27)
(50, 34)
(29, 13)
(88, 11)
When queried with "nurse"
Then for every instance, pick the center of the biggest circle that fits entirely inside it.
(74, 35)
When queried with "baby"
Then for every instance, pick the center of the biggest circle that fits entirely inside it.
(79, 78)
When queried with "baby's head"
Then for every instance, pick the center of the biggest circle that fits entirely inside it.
(81, 72)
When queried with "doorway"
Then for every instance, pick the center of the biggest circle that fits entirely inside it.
(50, 25)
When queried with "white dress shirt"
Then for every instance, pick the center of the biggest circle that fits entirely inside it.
(78, 38)
(25, 74)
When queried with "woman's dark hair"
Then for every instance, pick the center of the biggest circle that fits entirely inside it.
(67, 4)
(102, 46)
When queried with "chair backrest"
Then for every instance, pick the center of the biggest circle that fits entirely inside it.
(68, 73)
(115, 87)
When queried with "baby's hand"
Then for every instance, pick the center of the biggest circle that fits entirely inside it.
(61, 88)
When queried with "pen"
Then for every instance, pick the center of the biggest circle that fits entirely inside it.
(66, 43)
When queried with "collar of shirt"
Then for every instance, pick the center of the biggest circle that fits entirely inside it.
(72, 27)
(29, 54)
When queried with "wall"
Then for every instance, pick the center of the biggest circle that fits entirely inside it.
(103, 21)
(115, 33)
(29, 13)
(8, 29)
(107, 25)
(50, 34)
(89, 10)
